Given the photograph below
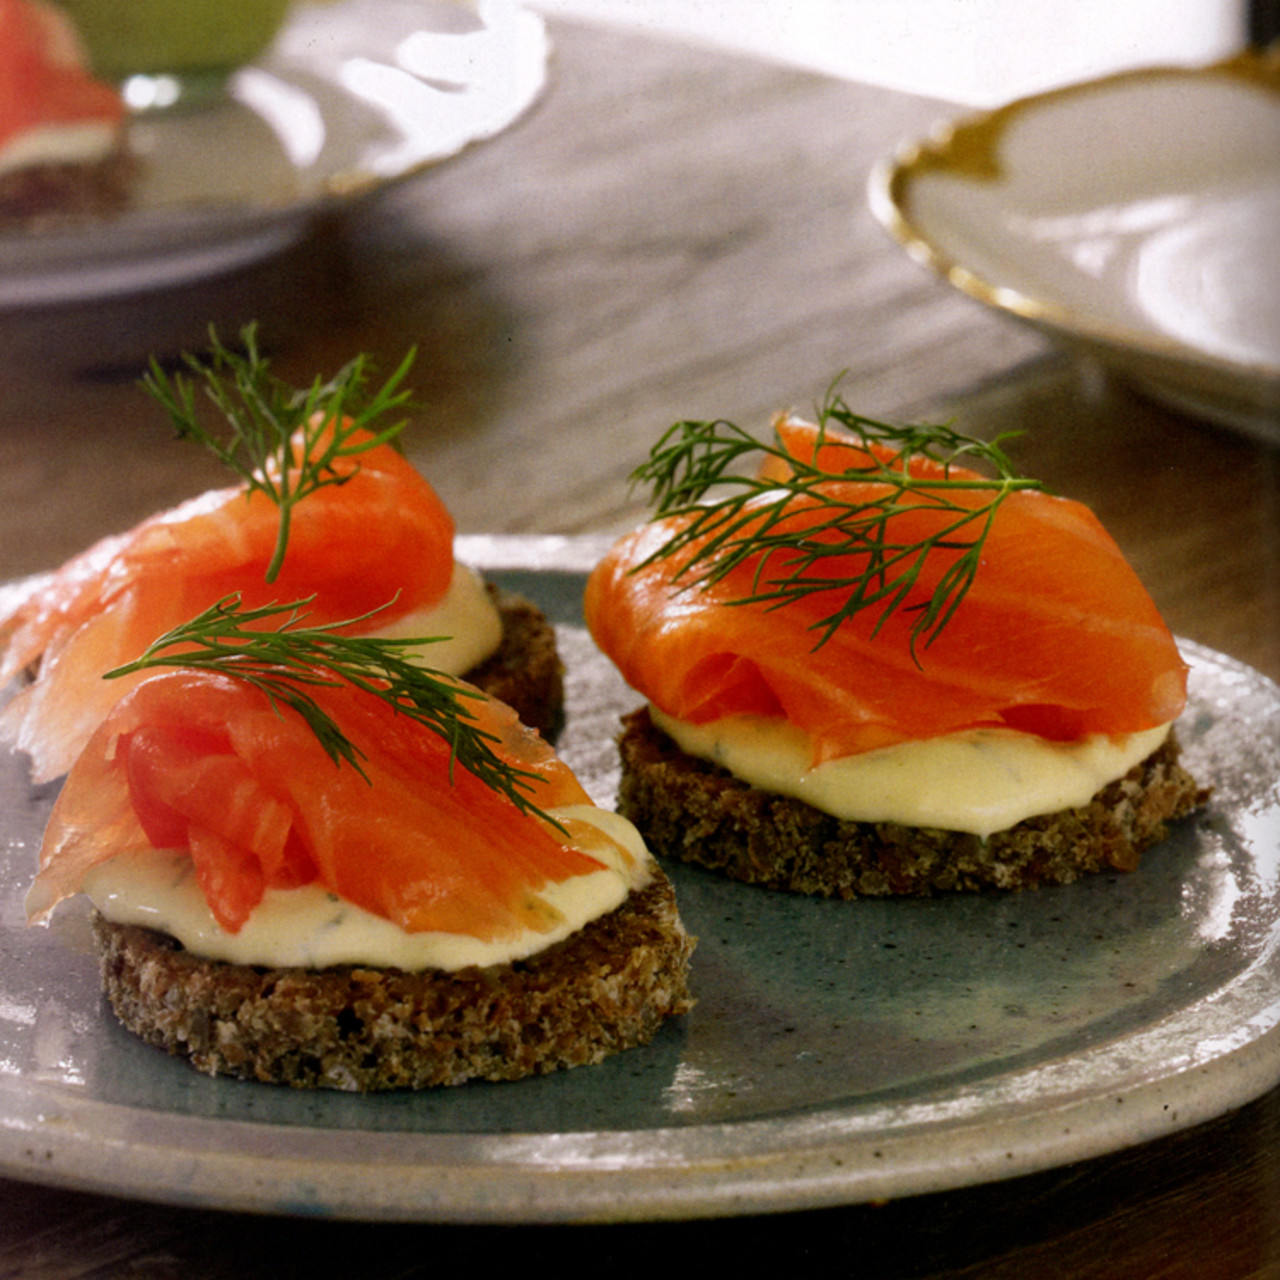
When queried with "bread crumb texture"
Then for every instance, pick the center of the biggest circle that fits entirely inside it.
(50, 196)
(526, 672)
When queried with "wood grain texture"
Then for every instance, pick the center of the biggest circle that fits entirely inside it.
(672, 233)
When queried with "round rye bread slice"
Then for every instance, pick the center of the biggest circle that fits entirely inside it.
(605, 988)
(694, 810)
(525, 672)
(56, 194)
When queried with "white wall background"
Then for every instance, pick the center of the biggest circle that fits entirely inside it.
(977, 52)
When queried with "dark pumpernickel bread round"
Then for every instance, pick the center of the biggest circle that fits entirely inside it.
(526, 672)
(691, 809)
(51, 195)
(606, 988)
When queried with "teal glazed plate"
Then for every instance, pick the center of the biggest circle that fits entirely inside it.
(839, 1051)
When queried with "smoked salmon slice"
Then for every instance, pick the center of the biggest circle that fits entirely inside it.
(380, 540)
(42, 80)
(1056, 635)
(202, 761)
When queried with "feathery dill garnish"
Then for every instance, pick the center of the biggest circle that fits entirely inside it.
(284, 661)
(751, 519)
(263, 414)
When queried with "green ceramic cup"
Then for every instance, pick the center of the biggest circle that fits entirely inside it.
(195, 43)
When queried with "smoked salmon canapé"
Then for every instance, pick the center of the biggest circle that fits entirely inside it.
(62, 132)
(873, 667)
(330, 511)
(355, 875)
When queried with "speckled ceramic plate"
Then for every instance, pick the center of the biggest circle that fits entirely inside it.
(352, 96)
(839, 1051)
(1136, 217)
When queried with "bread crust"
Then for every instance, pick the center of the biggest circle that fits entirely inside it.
(694, 810)
(606, 988)
(525, 672)
(56, 194)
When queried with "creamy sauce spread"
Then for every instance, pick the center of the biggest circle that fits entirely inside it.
(312, 927)
(80, 143)
(465, 618)
(980, 781)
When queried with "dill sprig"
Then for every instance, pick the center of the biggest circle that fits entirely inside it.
(288, 658)
(264, 413)
(752, 519)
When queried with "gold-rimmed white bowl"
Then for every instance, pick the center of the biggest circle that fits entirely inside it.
(1135, 217)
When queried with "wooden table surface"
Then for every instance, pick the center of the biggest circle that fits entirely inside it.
(671, 233)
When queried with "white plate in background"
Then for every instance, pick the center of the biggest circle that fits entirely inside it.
(351, 96)
(1136, 217)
